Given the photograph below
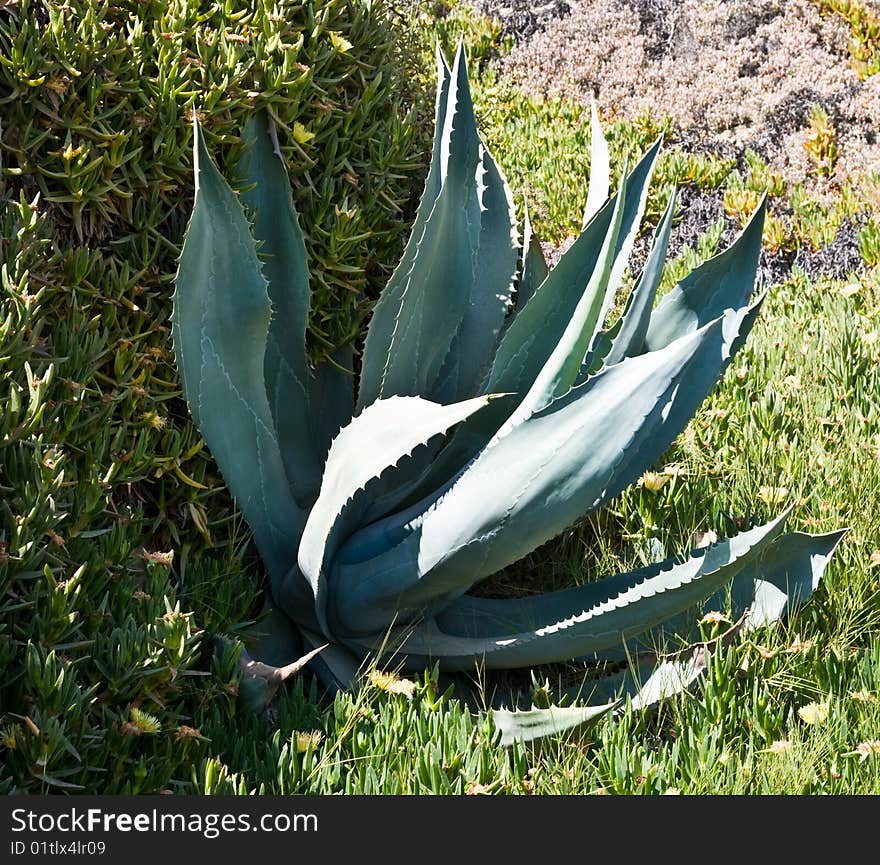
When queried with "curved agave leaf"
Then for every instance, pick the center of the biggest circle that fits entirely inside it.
(536, 331)
(527, 486)
(583, 620)
(561, 368)
(491, 287)
(285, 266)
(763, 592)
(374, 441)
(533, 724)
(434, 329)
(220, 325)
(725, 281)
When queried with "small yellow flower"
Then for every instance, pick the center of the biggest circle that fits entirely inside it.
(302, 135)
(672, 791)
(392, 684)
(339, 42)
(142, 721)
(780, 746)
(773, 495)
(814, 713)
(306, 740)
(654, 481)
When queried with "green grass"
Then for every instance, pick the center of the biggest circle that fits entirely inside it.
(111, 681)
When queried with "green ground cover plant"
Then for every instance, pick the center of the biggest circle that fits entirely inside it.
(121, 689)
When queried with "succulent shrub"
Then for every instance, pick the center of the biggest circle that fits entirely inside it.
(494, 408)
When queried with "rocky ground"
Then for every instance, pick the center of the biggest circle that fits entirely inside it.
(732, 74)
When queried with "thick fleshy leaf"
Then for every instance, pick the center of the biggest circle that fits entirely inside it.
(532, 724)
(723, 282)
(383, 321)
(586, 619)
(376, 440)
(533, 270)
(531, 484)
(220, 324)
(428, 300)
(600, 167)
(628, 338)
(789, 570)
(494, 270)
(285, 267)
(561, 369)
(535, 332)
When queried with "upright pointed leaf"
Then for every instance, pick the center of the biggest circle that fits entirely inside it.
(536, 331)
(428, 293)
(220, 325)
(600, 167)
(723, 282)
(285, 267)
(491, 287)
(534, 268)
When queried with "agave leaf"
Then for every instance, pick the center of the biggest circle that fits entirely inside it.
(285, 266)
(583, 620)
(429, 299)
(532, 724)
(383, 321)
(627, 338)
(530, 485)
(561, 369)
(723, 282)
(600, 168)
(535, 332)
(495, 261)
(534, 268)
(377, 439)
(220, 325)
(763, 592)
(331, 399)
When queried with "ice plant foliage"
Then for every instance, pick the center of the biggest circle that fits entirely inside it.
(494, 409)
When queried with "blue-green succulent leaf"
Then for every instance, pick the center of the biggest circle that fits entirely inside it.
(220, 325)
(532, 724)
(629, 337)
(534, 268)
(532, 483)
(723, 282)
(449, 304)
(376, 440)
(537, 330)
(285, 267)
(600, 168)
(586, 619)
(494, 271)
(383, 321)
(561, 369)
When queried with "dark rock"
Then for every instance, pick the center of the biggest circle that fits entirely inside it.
(521, 19)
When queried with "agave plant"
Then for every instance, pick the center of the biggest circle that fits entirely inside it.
(494, 409)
